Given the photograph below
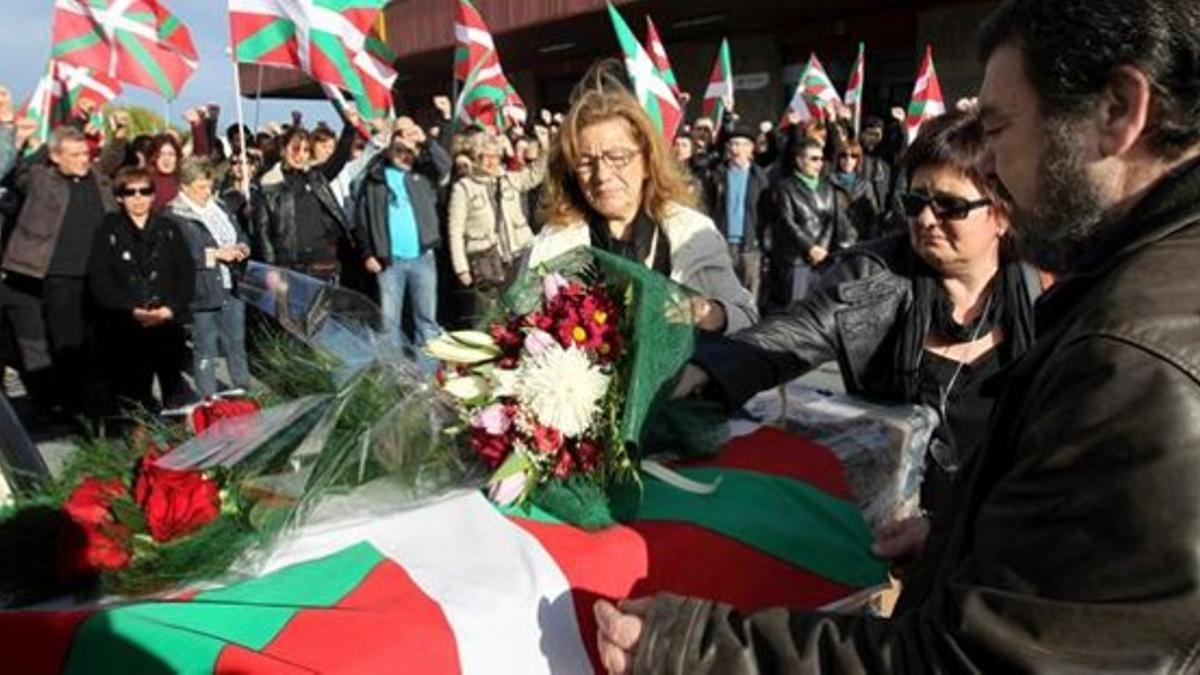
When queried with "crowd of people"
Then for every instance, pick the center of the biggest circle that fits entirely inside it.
(428, 220)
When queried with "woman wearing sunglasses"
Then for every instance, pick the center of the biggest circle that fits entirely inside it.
(921, 317)
(142, 278)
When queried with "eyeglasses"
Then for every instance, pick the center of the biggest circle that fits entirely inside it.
(615, 159)
(818, 159)
(945, 207)
(147, 191)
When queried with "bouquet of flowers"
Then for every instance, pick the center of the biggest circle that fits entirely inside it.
(555, 397)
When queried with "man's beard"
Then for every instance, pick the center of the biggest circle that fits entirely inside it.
(1069, 214)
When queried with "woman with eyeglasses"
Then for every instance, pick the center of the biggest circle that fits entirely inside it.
(614, 184)
(921, 317)
(853, 194)
(141, 277)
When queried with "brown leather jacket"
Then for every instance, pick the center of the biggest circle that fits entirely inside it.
(1075, 544)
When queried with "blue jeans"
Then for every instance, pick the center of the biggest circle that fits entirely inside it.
(418, 278)
(226, 326)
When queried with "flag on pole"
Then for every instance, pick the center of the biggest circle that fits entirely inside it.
(486, 97)
(927, 102)
(65, 92)
(814, 91)
(659, 54)
(720, 86)
(854, 88)
(651, 90)
(135, 41)
(330, 40)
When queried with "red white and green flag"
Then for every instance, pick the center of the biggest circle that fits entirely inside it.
(651, 90)
(658, 52)
(333, 41)
(458, 586)
(927, 101)
(854, 88)
(66, 92)
(814, 91)
(137, 42)
(720, 86)
(486, 97)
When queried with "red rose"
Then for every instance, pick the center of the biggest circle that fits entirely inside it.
(493, 449)
(86, 550)
(565, 465)
(92, 541)
(175, 503)
(588, 454)
(204, 416)
(89, 504)
(547, 439)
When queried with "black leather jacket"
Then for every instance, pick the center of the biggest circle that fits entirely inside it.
(275, 219)
(1074, 542)
(807, 218)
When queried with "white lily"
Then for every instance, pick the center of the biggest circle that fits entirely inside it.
(467, 387)
(468, 347)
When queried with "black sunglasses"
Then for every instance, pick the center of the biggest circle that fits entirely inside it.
(129, 192)
(945, 207)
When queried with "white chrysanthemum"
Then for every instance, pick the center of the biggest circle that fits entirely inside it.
(562, 388)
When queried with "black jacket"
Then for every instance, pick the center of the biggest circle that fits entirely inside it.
(757, 203)
(372, 236)
(807, 218)
(152, 268)
(275, 219)
(1074, 542)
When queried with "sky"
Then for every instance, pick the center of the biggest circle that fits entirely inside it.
(25, 46)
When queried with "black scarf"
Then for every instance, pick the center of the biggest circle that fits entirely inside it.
(638, 246)
(1010, 308)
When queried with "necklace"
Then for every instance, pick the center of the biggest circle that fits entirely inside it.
(944, 393)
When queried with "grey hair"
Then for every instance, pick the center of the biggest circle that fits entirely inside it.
(65, 134)
(193, 169)
(480, 143)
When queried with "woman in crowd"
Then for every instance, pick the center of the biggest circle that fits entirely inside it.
(614, 183)
(920, 317)
(852, 195)
(486, 222)
(142, 278)
(164, 169)
(217, 246)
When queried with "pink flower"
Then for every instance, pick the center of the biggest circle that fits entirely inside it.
(552, 285)
(547, 439)
(508, 490)
(538, 341)
(493, 419)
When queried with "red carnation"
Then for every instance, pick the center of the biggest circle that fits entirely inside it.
(175, 503)
(493, 449)
(547, 439)
(588, 454)
(565, 465)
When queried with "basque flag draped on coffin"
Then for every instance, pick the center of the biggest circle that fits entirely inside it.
(330, 40)
(135, 41)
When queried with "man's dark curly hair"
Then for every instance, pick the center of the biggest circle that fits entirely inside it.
(1072, 47)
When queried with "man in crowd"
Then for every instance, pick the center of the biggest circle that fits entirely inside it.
(1073, 546)
(397, 230)
(45, 265)
(738, 190)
